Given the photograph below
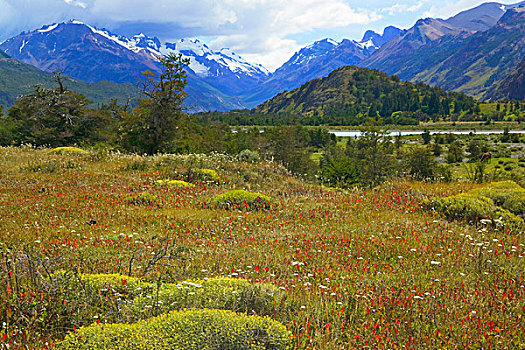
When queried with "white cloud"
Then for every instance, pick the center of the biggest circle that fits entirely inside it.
(403, 8)
(450, 8)
(267, 24)
(76, 3)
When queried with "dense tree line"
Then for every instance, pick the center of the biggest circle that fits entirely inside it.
(351, 99)
(61, 117)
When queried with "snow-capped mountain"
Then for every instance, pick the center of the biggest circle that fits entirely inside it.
(318, 60)
(224, 69)
(93, 54)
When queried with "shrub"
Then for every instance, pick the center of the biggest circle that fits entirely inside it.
(204, 174)
(507, 194)
(175, 183)
(69, 150)
(94, 295)
(140, 164)
(249, 156)
(185, 330)
(143, 198)
(125, 298)
(238, 295)
(103, 282)
(47, 167)
(474, 206)
(241, 199)
(51, 166)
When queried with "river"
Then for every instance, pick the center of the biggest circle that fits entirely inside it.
(357, 133)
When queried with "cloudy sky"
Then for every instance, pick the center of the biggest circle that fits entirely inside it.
(264, 31)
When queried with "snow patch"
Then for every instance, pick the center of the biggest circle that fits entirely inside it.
(49, 28)
(366, 44)
(199, 68)
(24, 42)
(503, 8)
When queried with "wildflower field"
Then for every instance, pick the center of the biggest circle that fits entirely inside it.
(89, 238)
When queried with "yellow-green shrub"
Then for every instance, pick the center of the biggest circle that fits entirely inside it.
(241, 199)
(175, 183)
(68, 150)
(99, 282)
(143, 198)
(216, 293)
(205, 174)
(507, 194)
(185, 330)
(124, 298)
(95, 295)
(473, 207)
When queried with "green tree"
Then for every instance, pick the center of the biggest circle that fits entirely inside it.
(476, 148)
(455, 152)
(373, 153)
(337, 169)
(153, 126)
(54, 117)
(288, 146)
(420, 163)
(426, 137)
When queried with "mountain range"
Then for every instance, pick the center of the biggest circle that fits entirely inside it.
(477, 51)
(454, 56)
(217, 80)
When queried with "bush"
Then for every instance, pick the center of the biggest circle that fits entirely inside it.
(205, 174)
(241, 199)
(175, 183)
(217, 293)
(46, 167)
(143, 198)
(249, 156)
(51, 166)
(125, 298)
(185, 330)
(474, 206)
(69, 150)
(138, 164)
(507, 194)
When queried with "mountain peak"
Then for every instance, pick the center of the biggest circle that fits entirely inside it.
(482, 17)
(379, 40)
(513, 17)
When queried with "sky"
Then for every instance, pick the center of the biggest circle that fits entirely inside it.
(263, 31)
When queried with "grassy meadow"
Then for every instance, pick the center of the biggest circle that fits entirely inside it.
(351, 269)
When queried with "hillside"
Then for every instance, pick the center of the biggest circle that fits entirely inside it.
(350, 93)
(17, 78)
(458, 60)
(479, 61)
(512, 87)
(317, 61)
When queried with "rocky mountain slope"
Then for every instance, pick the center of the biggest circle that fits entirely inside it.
(513, 86)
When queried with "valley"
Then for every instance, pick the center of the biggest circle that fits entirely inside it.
(165, 192)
